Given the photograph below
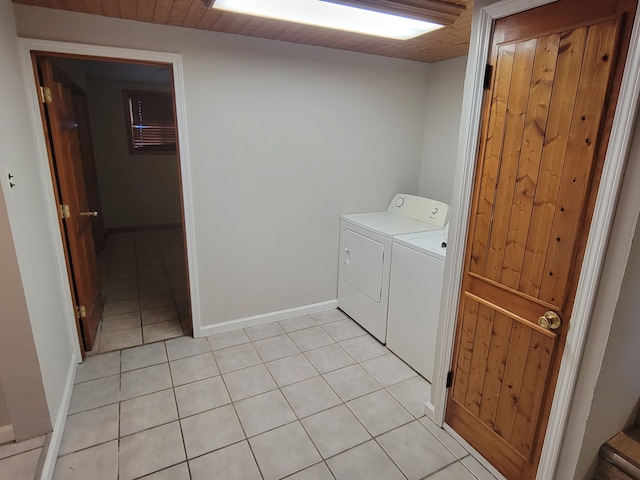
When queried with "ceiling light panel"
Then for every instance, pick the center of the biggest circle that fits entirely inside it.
(331, 15)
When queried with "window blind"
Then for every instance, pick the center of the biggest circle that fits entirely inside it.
(151, 120)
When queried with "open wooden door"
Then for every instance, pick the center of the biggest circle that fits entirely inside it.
(67, 170)
(81, 105)
(545, 128)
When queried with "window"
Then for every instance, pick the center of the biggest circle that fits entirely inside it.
(151, 123)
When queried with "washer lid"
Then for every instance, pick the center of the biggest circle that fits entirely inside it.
(388, 224)
(429, 243)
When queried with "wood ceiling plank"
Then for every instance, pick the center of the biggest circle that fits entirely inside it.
(269, 30)
(179, 11)
(251, 26)
(73, 5)
(222, 21)
(343, 43)
(194, 14)
(162, 11)
(128, 9)
(237, 24)
(94, 7)
(111, 8)
(443, 44)
(57, 4)
(144, 10)
(207, 20)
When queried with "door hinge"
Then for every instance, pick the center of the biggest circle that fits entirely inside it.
(449, 379)
(81, 312)
(64, 211)
(488, 73)
(45, 94)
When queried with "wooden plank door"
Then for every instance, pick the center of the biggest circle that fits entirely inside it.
(67, 169)
(545, 128)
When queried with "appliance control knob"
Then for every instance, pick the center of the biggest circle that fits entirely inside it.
(399, 202)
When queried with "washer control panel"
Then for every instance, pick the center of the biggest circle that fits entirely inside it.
(422, 209)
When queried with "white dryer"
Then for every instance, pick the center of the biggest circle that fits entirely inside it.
(365, 256)
(417, 271)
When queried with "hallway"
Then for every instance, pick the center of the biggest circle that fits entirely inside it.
(144, 281)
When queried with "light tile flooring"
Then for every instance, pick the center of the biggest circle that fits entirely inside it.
(314, 397)
(19, 461)
(144, 283)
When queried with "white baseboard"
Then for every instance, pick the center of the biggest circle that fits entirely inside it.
(261, 319)
(429, 411)
(6, 434)
(58, 427)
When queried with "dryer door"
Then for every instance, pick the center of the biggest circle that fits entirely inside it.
(362, 264)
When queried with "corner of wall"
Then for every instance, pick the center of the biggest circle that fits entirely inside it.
(19, 368)
(442, 124)
(35, 362)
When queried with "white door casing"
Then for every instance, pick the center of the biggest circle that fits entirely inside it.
(26, 46)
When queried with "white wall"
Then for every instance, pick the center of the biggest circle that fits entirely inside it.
(5, 419)
(30, 227)
(135, 189)
(441, 129)
(282, 139)
(617, 393)
(22, 388)
(608, 388)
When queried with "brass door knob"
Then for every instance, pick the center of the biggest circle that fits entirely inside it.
(550, 320)
(89, 214)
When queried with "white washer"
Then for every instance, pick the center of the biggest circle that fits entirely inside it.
(365, 256)
(417, 269)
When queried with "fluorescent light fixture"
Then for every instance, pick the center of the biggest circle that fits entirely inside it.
(331, 15)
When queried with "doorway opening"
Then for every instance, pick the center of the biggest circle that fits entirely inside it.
(122, 211)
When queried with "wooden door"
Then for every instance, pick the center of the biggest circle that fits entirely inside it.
(67, 170)
(545, 128)
(81, 108)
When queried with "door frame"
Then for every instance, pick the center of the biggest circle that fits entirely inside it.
(469, 139)
(28, 45)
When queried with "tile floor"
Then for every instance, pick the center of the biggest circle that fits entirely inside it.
(144, 283)
(19, 461)
(313, 397)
